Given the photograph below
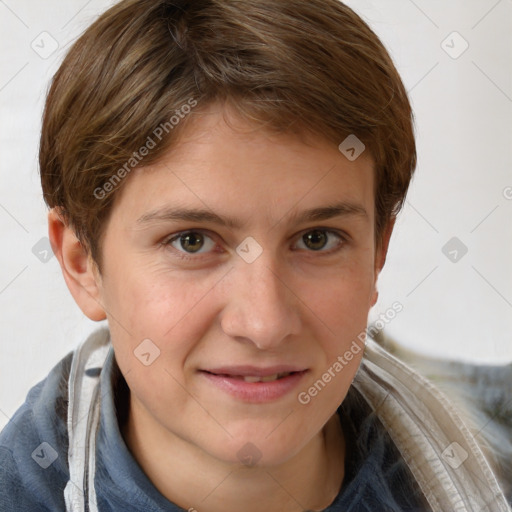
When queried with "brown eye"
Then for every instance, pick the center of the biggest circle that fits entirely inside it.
(191, 242)
(315, 240)
(322, 240)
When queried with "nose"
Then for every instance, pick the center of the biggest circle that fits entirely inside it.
(261, 307)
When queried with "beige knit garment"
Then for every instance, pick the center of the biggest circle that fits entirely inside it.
(439, 449)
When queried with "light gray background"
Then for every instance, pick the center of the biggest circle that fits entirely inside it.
(463, 188)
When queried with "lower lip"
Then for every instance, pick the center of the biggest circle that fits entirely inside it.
(255, 392)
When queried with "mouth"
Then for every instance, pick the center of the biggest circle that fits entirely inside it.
(254, 378)
(254, 385)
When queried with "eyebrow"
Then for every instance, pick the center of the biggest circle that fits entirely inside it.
(340, 209)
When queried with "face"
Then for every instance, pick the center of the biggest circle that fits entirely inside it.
(239, 256)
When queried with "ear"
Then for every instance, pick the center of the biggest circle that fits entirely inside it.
(79, 270)
(381, 252)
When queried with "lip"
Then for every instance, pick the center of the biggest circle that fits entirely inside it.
(245, 370)
(227, 379)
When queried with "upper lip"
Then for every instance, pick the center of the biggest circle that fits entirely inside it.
(247, 370)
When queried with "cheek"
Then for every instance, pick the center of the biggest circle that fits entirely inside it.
(340, 309)
(172, 310)
(154, 301)
(341, 314)
(343, 298)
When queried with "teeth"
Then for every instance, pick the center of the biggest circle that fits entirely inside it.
(250, 378)
(270, 378)
(267, 378)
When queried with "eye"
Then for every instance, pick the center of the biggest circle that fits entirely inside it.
(321, 240)
(196, 242)
(191, 242)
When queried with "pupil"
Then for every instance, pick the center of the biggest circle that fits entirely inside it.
(191, 241)
(315, 239)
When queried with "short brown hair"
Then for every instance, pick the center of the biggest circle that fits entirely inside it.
(293, 65)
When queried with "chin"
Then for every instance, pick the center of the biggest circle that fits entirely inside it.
(257, 449)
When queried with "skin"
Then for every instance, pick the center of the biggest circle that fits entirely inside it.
(293, 304)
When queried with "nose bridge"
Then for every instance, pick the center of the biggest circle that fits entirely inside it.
(264, 283)
(260, 306)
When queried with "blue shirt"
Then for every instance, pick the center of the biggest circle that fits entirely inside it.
(34, 465)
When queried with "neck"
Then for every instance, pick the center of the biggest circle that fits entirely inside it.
(194, 480)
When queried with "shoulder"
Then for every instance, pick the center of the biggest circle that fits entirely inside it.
(451, 416)
(34, 445)
(482, 395)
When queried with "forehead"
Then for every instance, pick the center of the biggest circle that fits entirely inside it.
(224, 163)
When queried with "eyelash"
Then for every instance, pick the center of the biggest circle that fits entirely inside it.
(191, 257)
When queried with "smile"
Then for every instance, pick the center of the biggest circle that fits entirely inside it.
(253, 387)
(256, 378)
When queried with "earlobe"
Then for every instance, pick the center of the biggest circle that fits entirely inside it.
(375, 296)
(78, 268)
